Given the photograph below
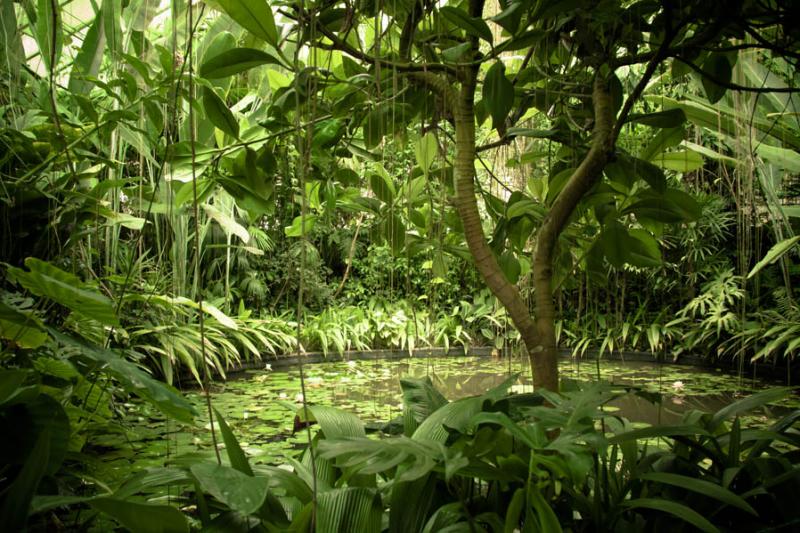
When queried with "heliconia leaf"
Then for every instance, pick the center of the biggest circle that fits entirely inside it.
(498, 93)
(142, 516)
(219, 114)
(474, 26)
(254, 16)
(776, 252)
(719, 68)
(426, 151)
(44, 279)
(49, 32)
(227, 223)
(235, 61)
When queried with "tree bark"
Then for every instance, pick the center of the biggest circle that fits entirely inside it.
(582, 180)
(461, 104)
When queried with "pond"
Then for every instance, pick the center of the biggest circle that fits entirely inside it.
(260, 405)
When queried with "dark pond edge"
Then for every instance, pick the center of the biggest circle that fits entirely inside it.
(282, 362)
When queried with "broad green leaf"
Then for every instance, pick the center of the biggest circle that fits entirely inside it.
(132, 378)
(456, 415)
(524, 206)
(49, 32)
(88, 59)
(218, 113)
(142, 517)
(235, 454)
(725, 120)
(235, 61)
(747, 404)
(474, 26)
(670, 118)
(671, 207)
(719, 68)
(782, 158)
(682, 161)
(395, 233)
(336, 423)
(678, 510)
(123, 219)
(498, 93)
(651, 174)
(238, 491)
(227, 223)
(615, 243)
(349, 509)
(24, 329)
(510, 17)
(301, 226)
(547, 517)
(254, 16)
(700, 486)
(455, 53)
(20, 492)
(776, 252)
(663, 140)
(382, 187)
(328, 132)
(426, 151)
(643, 249)
(374, 127)
(658, 432)
(112, 28)
(510, 266)
(43, 279)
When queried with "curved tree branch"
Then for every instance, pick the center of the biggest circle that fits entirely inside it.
(582, 180)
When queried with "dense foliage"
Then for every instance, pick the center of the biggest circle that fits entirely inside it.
(190, 186)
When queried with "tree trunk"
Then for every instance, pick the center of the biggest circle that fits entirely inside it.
(462, 107)
(582, 180)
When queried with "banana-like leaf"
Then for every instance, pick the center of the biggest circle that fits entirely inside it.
(164, 397)
(48, 281)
